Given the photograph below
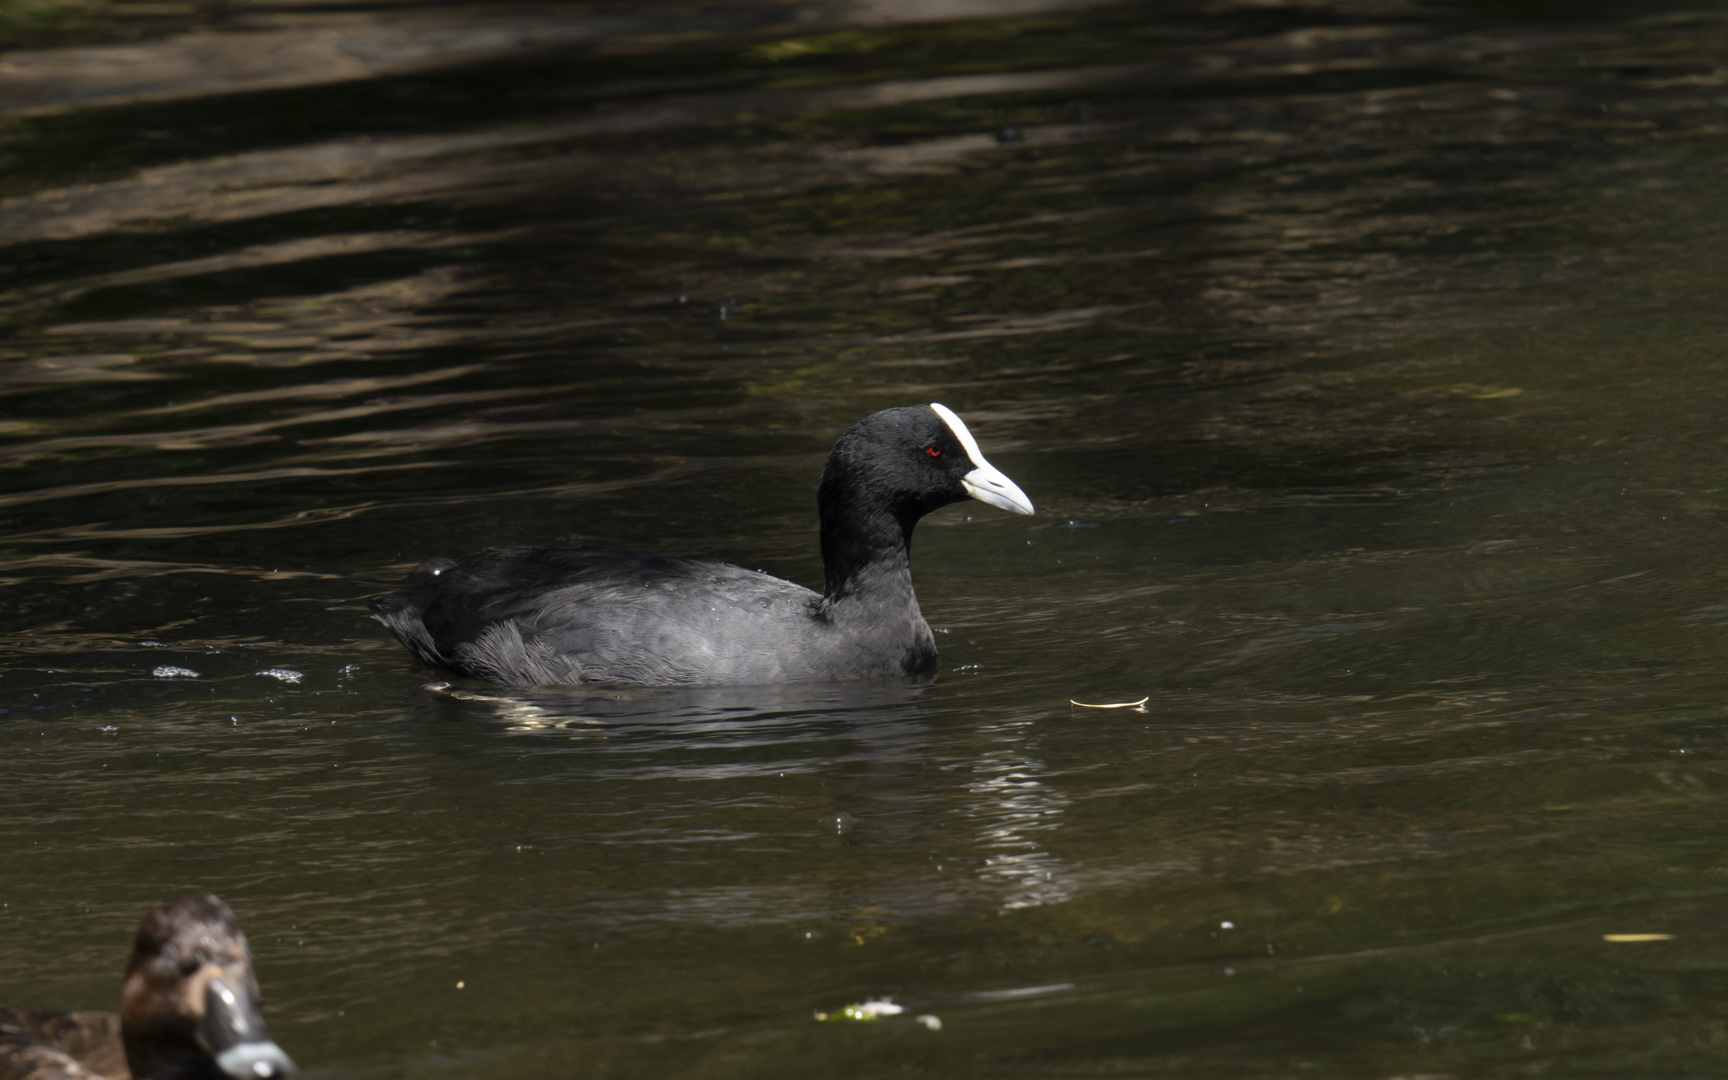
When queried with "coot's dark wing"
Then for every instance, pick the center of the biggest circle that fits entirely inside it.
(60, 1046)
(539, 616)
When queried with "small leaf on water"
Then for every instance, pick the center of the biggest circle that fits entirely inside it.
(1622, 938)
(1114, 704)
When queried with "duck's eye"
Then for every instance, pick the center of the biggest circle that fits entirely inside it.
(933, 451)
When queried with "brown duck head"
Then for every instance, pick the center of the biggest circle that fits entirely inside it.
(189, 1008)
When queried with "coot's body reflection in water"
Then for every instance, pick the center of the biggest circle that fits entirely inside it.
(967, 804)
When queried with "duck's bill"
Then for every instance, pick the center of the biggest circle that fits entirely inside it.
(255, 1061)
(232, 1031)
(986, 484)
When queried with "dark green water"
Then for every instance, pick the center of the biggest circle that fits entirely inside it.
(1367, 364)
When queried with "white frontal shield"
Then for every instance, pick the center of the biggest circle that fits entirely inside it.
(984, 482)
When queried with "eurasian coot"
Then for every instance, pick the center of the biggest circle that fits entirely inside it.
(188, 1010)
(527, 616)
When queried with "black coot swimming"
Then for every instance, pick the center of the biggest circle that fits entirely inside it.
(188, 1011)
(525, 616)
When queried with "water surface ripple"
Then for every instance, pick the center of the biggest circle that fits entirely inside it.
(1365, 362)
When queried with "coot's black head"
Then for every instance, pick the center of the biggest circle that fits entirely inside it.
(909, 461)
(189, 1008)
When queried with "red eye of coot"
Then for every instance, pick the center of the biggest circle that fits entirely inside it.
(933, 451)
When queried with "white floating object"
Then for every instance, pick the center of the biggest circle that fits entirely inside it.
(1018, 992)
(1114, 704)
(169, 671)
(874, 1009)
(285, 674)
(929, 1021)
(1226, 925)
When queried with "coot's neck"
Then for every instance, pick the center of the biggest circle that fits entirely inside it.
(866, 548)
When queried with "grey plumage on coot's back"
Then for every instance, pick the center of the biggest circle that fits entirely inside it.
(526, 616)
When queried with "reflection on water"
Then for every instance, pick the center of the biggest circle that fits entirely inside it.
(632, 733)
(1366, 365)
(1015, 812)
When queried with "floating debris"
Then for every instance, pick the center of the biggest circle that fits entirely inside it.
(929, 1021)
(1018, 992)
(1141, 704)
(1621, 939)
(1485, 393)
(869, 1012)
(285, 674)
(169, 671)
